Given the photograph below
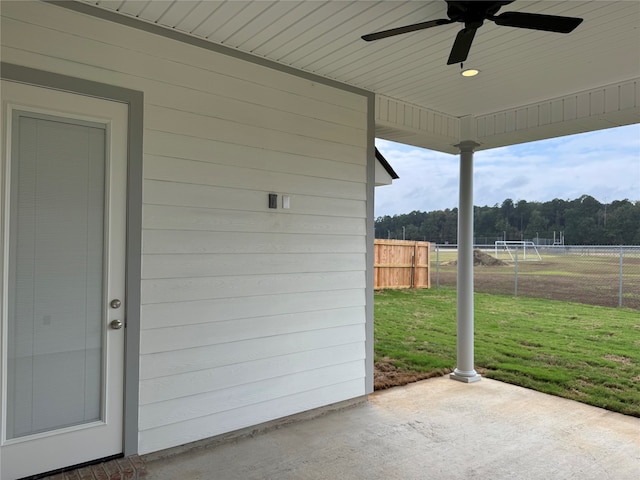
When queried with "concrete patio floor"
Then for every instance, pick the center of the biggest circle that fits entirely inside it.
(433, 429)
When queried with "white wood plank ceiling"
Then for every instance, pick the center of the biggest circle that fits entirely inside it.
(518, 66)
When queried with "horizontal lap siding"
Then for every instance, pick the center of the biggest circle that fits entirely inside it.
(248, 313)
(246, 416)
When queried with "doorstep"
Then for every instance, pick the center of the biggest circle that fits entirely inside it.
(128, 468)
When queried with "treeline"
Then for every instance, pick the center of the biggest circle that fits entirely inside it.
(583, 221)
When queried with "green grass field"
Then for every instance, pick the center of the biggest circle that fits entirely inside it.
(586, 353)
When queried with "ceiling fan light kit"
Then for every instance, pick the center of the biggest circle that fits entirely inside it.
(473, 14)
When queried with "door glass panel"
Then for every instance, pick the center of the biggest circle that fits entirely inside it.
(55, 288)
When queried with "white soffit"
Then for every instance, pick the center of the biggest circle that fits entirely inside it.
(519, 68)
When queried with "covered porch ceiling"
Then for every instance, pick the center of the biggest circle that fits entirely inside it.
(532, 84)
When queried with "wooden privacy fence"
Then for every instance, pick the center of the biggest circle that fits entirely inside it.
(401, 264)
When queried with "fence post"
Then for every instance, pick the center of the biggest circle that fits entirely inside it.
(437, 266)
(413, 265)
(516, 273)
(621, 271)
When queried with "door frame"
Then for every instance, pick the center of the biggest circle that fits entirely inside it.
(133, 258)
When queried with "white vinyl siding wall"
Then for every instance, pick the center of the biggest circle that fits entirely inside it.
(248, 314)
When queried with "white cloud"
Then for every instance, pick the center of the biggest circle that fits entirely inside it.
(604, 164)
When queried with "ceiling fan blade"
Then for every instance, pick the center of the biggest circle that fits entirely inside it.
(537, 21)
(406, 29)
(461, 46)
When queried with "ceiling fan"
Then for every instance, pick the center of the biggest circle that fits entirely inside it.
(473, 14)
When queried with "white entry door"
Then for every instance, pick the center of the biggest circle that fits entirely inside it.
(63, 265)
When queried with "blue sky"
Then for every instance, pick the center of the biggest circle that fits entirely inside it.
(604, 164)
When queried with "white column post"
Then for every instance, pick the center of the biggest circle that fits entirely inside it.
(465, 371)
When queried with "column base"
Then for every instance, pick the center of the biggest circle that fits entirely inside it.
(465, 377)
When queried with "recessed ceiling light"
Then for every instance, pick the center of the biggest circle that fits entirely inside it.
(470, 72)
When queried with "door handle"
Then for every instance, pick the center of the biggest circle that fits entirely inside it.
(116, 324)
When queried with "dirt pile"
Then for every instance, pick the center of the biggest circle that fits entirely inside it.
(482, 259)
(486, 260)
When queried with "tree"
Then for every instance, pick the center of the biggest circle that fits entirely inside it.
(522, 213)
(585, 221)
(537, 226)
(623, 224)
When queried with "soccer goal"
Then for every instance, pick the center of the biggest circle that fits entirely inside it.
(525, 250)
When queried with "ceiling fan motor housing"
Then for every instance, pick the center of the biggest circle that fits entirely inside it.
(473, 14)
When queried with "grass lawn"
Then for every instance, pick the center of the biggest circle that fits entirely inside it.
(586, 353)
